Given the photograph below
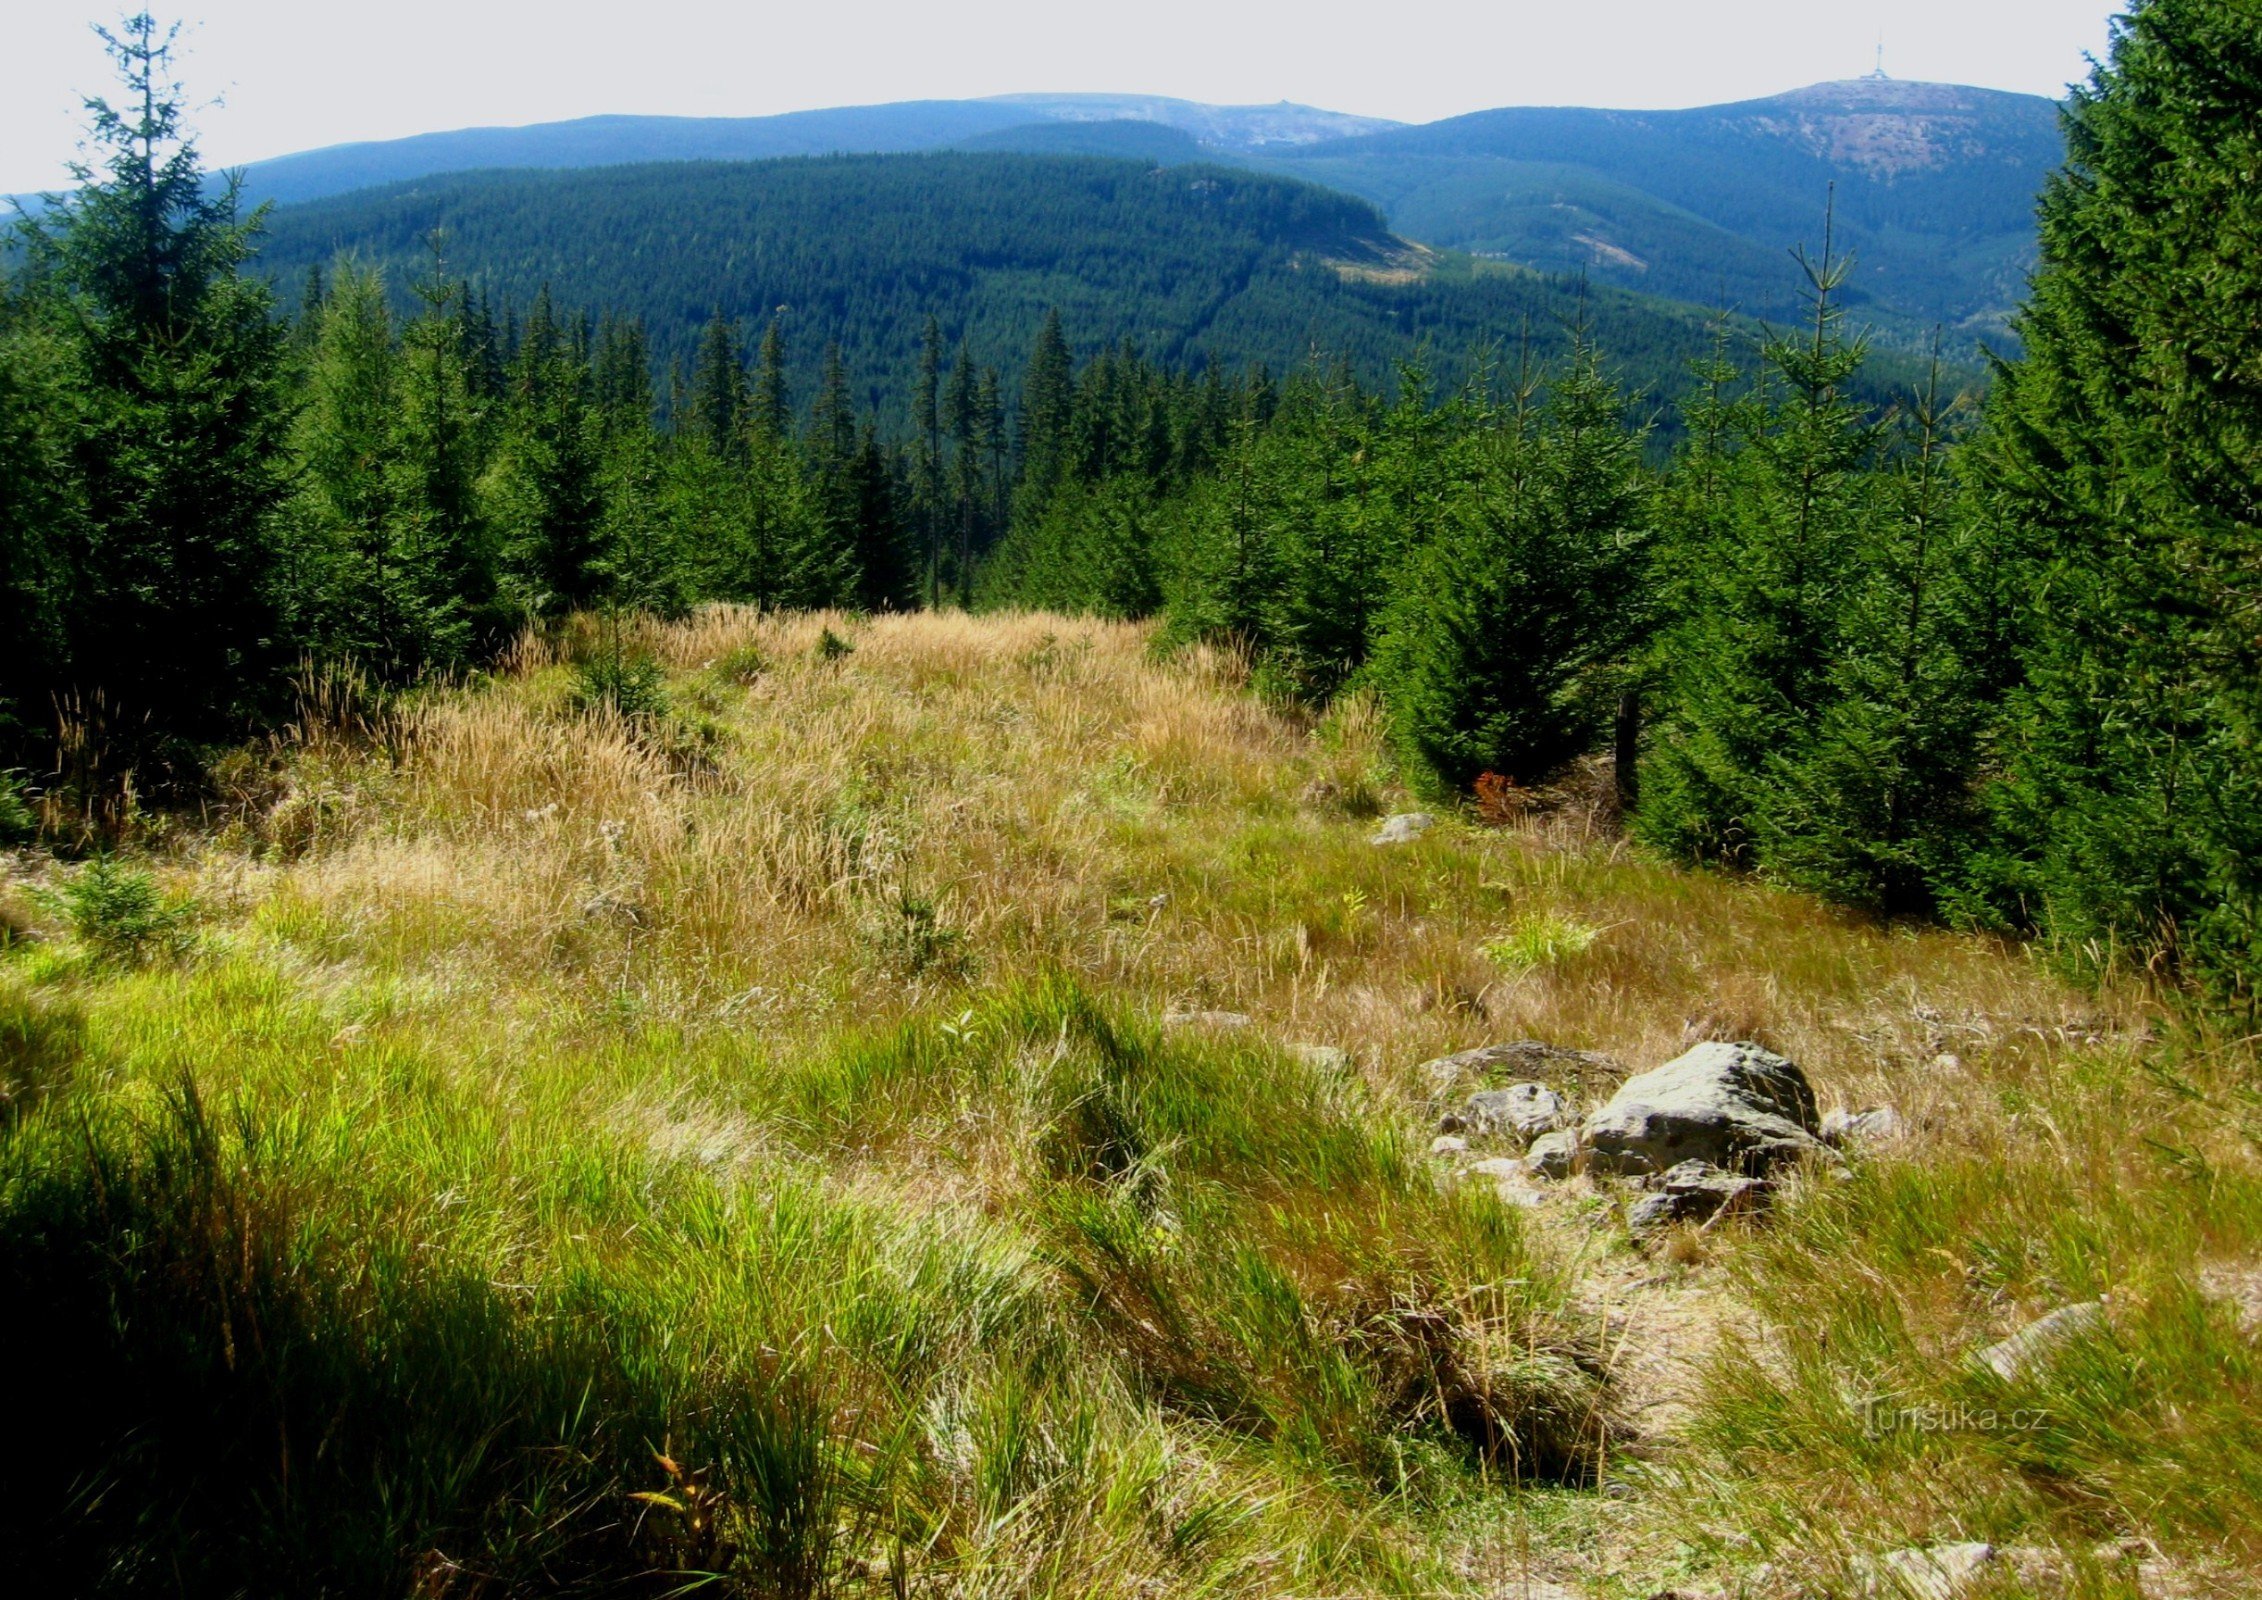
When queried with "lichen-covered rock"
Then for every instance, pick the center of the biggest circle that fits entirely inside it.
(1322, 1057)
(1517, 1059)
(1521, 1111)
(1734, 1106)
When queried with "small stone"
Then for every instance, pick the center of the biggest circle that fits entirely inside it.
(1878, 1125)
(1525, 1110)
(1404, 828)
(1933, 1572)
(1207, 1019)
(1323, 1057)
(2034, 1345)
(1947, 1061)
(1501, 1169)
(1446, 1144)
(1692, 1192)
(1553, 1155)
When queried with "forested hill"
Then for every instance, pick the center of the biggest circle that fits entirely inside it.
(1934, 189)
(1193, 263)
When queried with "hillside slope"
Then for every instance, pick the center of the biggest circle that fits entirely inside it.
(1934, 188)
(1194, 263)
(860, 1133)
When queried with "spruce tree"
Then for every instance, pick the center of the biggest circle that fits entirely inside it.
(1047, 400)
(1506, 644)
(40, 527)
(926, 422)
(1874, 804)
(719, 396)
(352, 587)
(2126, 444)
(1758, 545)
(177, 446)
(771, 403)
(446, 396)
(545, 487)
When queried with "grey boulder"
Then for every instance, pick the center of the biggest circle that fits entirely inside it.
(1734, 1106)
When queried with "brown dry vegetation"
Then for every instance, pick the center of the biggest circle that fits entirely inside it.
(783, 939)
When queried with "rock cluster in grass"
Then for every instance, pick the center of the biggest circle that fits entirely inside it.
(1701, 1134)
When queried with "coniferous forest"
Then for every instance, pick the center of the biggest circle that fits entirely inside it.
(1980, 656)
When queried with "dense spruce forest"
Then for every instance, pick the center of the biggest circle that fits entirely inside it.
(1991, 662)
(1196, 265)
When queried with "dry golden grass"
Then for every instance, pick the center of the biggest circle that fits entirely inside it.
(1043, 793)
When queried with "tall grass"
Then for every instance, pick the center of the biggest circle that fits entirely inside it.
(379, 1323)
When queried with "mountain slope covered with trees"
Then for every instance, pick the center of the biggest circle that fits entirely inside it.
(1933, 187)
(1194, 264)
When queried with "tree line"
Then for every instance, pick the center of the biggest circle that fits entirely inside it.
(1985, 659)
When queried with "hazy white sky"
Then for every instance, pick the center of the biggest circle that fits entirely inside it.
(298, 75)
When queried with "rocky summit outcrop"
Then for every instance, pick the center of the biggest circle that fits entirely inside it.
(1733, 1106)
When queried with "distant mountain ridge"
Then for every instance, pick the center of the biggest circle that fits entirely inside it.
(846, 130)
(1932, 185)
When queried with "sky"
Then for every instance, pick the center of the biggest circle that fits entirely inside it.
(269, 78)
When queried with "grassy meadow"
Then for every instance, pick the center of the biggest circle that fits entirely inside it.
(773, 1143)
